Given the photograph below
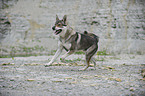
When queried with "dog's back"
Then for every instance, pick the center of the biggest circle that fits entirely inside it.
(92, 35)
(72, 41)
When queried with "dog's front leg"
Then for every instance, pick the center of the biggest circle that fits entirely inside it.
(58, 52)
(66, 55)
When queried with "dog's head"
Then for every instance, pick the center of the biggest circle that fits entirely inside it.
(60, 25)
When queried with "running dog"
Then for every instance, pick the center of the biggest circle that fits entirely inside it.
(73, 41)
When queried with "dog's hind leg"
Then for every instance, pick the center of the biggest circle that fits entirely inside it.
(89, 53)
(94, 62)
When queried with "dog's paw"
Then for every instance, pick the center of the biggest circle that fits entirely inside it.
(47, 65)
(83, 69)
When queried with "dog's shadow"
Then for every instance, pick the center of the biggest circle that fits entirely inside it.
(68, 68)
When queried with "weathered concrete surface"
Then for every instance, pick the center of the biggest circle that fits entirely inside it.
(114, 76)
(118, 23)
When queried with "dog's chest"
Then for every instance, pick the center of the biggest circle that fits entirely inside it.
(67, 45)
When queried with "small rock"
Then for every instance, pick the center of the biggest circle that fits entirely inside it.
(132, 89)
(109, 67)
(1, 80)
(96, 76)
(74, 82)
(4, 64)
(12, 80)
(142, 79)
(67, 88)
(143, 73)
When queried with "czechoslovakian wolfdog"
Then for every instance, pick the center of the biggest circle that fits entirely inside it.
(72, 41)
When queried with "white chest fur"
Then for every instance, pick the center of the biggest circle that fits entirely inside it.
(67, 45)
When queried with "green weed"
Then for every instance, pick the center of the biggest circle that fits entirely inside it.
(102, 53)
(79, 52)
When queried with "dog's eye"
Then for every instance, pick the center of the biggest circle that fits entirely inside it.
(59, 24)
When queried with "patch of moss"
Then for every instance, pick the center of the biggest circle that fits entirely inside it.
(100, 59)
(52, 52)
(5, 56)
(78, 59)
(102, 53)
(23, 51)
(19, 55)
(79, 52)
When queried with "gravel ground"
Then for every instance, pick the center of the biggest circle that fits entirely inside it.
(114, 76)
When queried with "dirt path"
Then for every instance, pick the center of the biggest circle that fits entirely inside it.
(114, 76)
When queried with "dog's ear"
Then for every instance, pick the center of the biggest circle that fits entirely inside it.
(57, 18)
(64, 18)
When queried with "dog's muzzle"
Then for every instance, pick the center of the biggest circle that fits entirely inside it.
(53, 28)
(58, 31)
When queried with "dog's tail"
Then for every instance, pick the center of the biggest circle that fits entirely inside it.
(85, 32)
(92, 35)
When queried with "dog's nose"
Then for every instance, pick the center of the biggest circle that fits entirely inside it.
(53, 28)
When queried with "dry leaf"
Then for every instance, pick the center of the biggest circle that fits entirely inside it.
(116, 79)
(30, 80)
(86, 77)
(68, 77)
(143, 73)
(32, 64)
(93, 84)
(74, 82)
(97, 76)
(57, 80)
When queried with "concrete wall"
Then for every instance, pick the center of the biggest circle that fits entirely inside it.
(119, 24)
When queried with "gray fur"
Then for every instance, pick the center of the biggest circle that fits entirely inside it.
(73, 41)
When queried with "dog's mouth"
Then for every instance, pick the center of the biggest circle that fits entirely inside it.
(58, 31)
